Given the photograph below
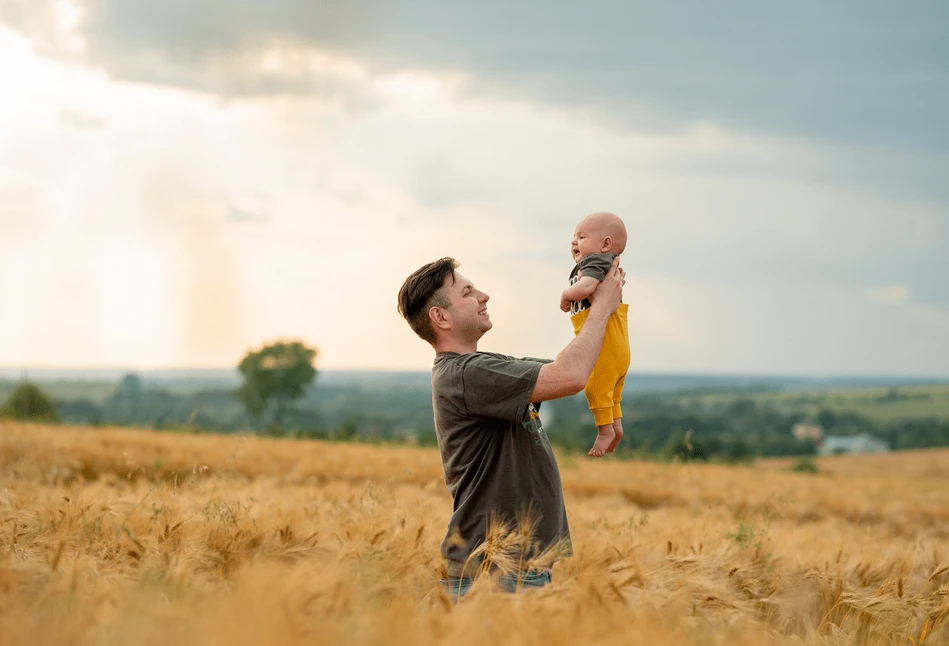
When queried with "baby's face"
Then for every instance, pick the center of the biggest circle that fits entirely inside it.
(587, 239)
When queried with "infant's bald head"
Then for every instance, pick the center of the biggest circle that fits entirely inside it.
(605, 224)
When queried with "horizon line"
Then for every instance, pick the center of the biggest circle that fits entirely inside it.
(12, 370)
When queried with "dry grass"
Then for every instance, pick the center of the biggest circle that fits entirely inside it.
(115, 536)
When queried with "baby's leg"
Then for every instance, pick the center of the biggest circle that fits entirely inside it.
(599, 392)
(617, 434)
(604, 438)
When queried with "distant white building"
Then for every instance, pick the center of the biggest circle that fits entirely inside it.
(863, 443)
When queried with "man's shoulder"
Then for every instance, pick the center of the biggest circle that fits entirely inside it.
(452, 361)
(484, 355)
(451, 365)
(480, 355)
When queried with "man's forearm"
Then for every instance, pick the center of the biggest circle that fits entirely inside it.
(581, 353)
(569, 372)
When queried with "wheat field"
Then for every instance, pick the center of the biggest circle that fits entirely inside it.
(120, 536)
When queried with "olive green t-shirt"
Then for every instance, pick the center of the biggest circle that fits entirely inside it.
(596, 265)
(497, 459)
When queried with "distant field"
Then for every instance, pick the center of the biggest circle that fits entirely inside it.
(878, 404)
(920, 464)
(96, 391)
(144, 538)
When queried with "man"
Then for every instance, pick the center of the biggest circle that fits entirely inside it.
(498, 463)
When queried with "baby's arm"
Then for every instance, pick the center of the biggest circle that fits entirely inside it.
(578, 291)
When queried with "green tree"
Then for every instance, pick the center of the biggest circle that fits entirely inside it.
(126, 399)
(274, 377)
(28, 403)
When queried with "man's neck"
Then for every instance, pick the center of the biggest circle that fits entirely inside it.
(456, 346)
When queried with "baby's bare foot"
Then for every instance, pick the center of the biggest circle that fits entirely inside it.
(604, 437)
(617, 436)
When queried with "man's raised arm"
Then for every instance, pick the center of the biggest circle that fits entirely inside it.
(568, 373)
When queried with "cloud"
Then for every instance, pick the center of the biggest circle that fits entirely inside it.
(442, 181)
(864, 72)
(691, 206)
(233, 49)
(889, 294)
(745, 254)
(20, 199)
(81, 120)
(245, 216)
(867, 80)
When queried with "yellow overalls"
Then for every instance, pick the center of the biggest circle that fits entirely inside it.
(604, 389)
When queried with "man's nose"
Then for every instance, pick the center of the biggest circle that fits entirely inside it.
(484, 297)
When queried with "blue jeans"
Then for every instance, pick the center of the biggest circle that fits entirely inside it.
(511, 583)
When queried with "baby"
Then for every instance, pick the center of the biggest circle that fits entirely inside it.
(597, 240)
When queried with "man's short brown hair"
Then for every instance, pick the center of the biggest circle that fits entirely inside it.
(422, 291)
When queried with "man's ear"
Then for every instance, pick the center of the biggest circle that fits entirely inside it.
(439, 317)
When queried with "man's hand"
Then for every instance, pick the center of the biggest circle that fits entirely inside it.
(610, 292)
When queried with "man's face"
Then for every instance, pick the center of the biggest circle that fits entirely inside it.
(469, 308)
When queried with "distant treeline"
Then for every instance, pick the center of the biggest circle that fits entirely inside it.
(738, 428)
(739, 424)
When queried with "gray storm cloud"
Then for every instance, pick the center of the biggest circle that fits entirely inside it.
(858, 71)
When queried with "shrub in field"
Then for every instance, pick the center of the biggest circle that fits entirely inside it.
(805, 465)
(29, 403)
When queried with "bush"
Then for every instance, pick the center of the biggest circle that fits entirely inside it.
(736, 449)
(28, 403)
(805, 465)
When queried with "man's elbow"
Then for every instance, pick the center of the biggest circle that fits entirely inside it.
(559, 381)
(575, 384)
(573, 379)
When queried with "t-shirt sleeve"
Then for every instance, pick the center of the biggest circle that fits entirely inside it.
(596, 265)
(537, 360)
(499, 387)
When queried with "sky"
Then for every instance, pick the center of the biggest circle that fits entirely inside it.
(186, 180)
